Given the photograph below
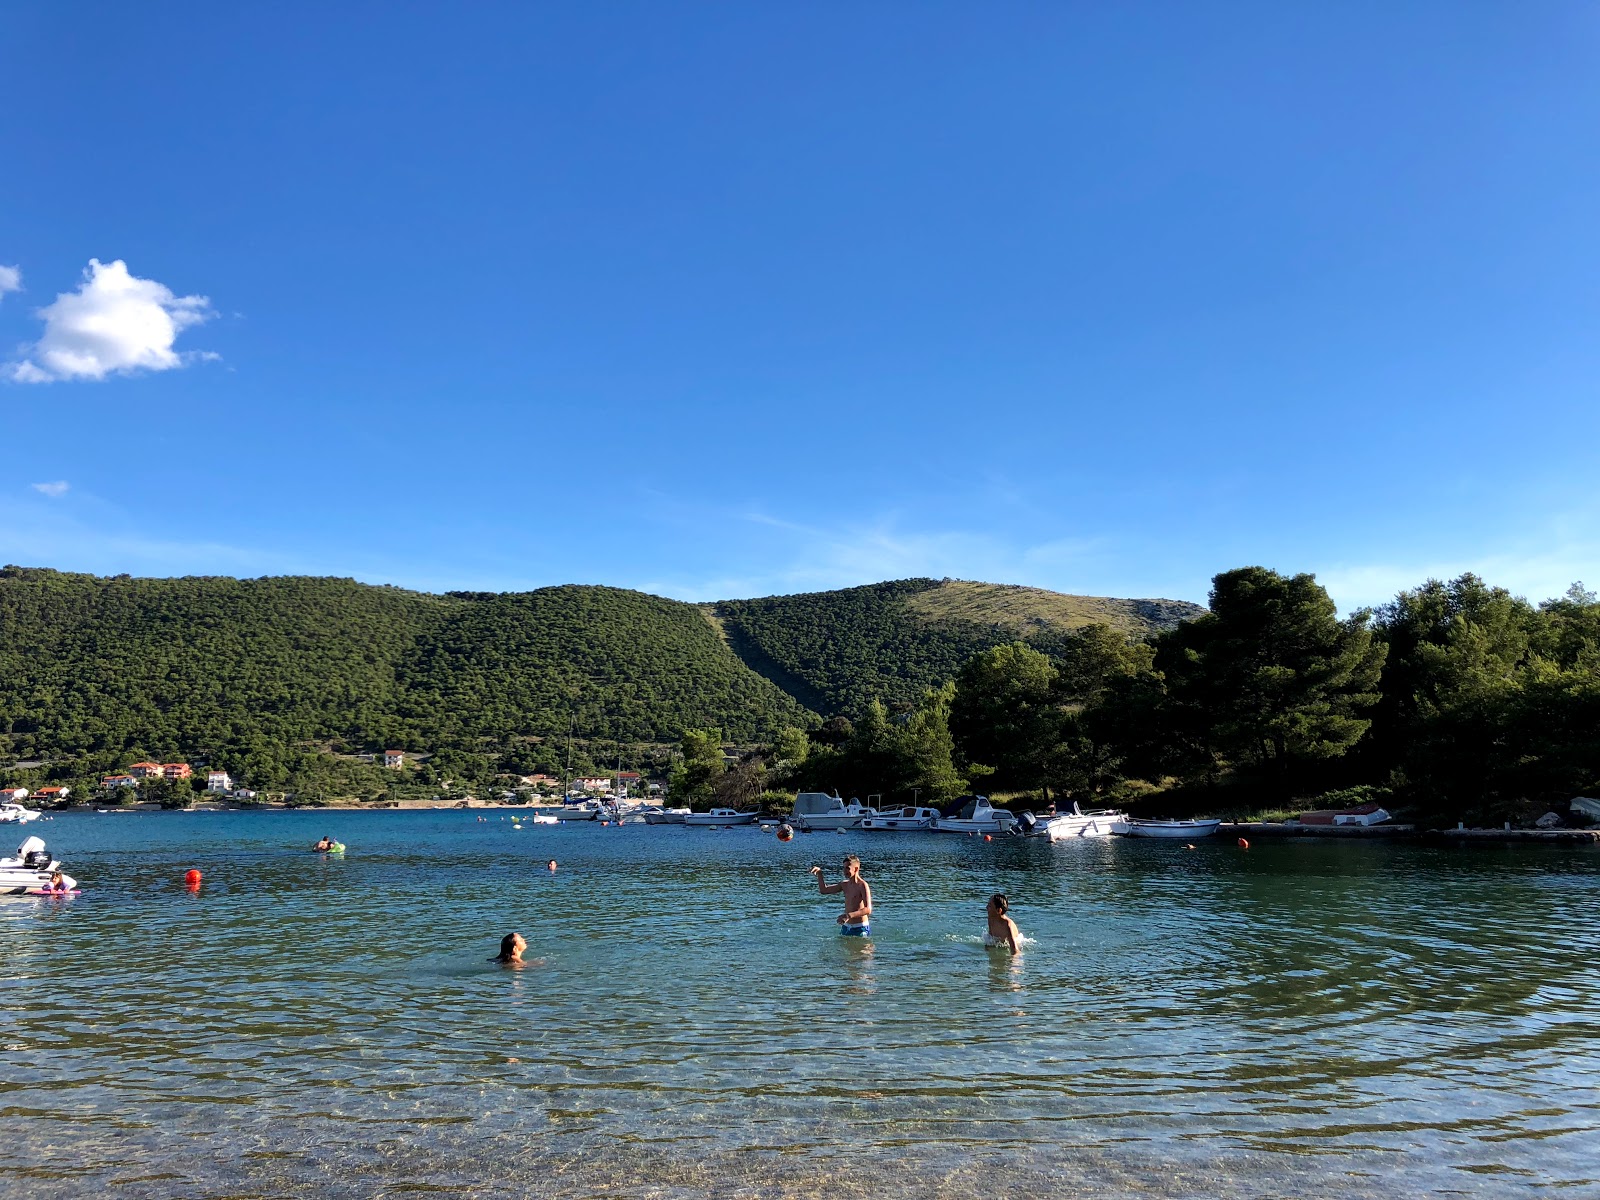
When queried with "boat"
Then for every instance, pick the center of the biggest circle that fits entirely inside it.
(1170, 829)
(664, 816)
(544, 819)
(907, 818)
(720, 818)
(818, 810)
(974, 814)
(15, 814)
(1061, 827)
(28, 874)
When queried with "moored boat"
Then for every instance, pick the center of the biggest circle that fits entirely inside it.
(1061, 827)
(11, 813)
(720, 817)
(1170, 829)
(906, 819)
(974, 814)
(29, 872)
(818, 810)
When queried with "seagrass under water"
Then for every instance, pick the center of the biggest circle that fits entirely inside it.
(1302, 1019)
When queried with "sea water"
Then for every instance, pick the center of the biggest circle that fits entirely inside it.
(1298, 1019)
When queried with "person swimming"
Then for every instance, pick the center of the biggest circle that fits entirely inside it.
(856, 919)
(58, 883)
(511, 948)
(325, 844)
(1001, 929)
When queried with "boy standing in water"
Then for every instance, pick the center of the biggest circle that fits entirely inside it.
(855, 921)
(1002, 930)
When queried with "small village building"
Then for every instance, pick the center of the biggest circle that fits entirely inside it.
(592, 785)
(176, 770)
(112, 781)
(219, 781)
(146, 770)
(13, 795)
(52, 794)
(394, 758)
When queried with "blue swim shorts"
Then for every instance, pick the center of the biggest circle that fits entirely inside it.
(855, 930)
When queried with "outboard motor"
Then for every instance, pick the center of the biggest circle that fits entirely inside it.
(1026, 822)
(32, 852)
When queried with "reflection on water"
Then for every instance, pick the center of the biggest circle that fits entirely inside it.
(1302, 1020)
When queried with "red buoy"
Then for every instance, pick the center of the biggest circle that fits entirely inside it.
(1243, 845)
(988, 837)
(191, 880)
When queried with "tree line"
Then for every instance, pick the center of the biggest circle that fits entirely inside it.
(1456, 700)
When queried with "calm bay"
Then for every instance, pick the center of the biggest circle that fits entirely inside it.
(1296, 1019)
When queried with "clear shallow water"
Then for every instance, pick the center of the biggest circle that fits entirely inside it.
(1302, 1019)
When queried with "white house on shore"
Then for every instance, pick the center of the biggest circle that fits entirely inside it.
(394, 758)
(219, 781)
(13, 795)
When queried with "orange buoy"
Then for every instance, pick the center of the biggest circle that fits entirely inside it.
(1243, 845)
(988, 837)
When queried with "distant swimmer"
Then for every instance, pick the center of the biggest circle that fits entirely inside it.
(856, 919)
(552, 864)
(325, 844)
(511, 948)
(1002, 930)
(58, 883)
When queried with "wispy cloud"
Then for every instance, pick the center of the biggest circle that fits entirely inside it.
(114, 324)
(54, 490)
(10, 280)
(809, 557)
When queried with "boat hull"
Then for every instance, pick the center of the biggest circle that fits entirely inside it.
(1068, 828)
(1171, 829)
(901, 824)
(708, 821)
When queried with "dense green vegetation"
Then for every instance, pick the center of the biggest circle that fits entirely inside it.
(894, 641)
(264, 676)
(1455, 701)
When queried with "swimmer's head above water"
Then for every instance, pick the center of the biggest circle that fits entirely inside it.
(511, 948)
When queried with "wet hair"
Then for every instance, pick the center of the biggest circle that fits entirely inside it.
(999, 901)
(508, 947)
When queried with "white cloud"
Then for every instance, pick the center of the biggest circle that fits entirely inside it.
(10, 280)
(115, 323)
(59, 488)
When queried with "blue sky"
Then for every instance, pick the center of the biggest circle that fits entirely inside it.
(721, 300)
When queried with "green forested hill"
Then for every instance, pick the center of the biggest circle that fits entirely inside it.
(253, 674)
(230, 669)
(834, 650)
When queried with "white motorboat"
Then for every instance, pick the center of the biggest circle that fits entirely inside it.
(974, 814)
(1170, 829)
(29, 872)
(539, 818)
(587, 810)
(907, 818)
(665, 816)
(1061, 827)
(15, 814)
(720, 817)
(818, 810)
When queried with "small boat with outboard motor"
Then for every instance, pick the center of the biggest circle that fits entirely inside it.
(1170, 829)
(814, 811)
(1061, 827)
(908, 819)
(720, 818)
(28, 874)
(974, 814)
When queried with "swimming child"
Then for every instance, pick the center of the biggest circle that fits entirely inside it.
(325, 844)
(856, 919)
(552, 864)
(58, 883)
(1001, 930)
